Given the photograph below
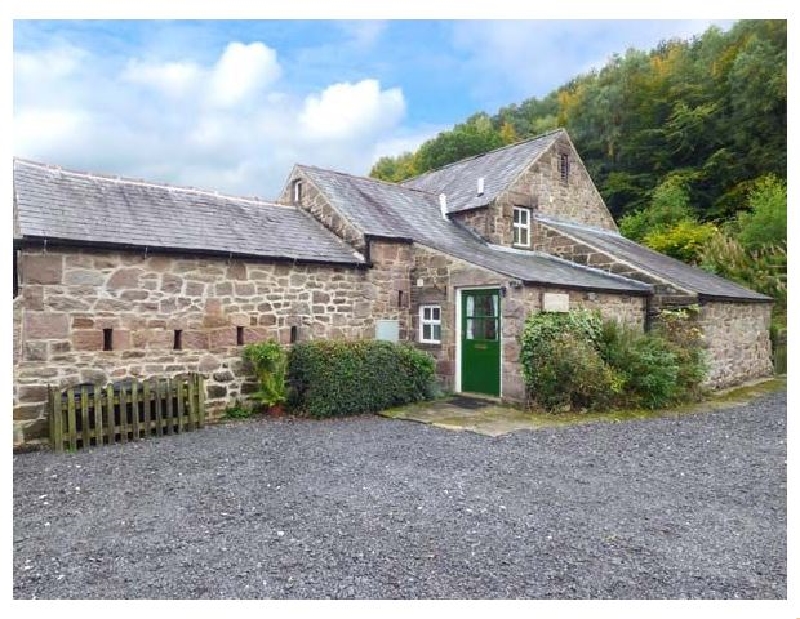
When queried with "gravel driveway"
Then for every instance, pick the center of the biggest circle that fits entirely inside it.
(693, 506)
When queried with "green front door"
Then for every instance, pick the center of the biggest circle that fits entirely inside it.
(480, 341)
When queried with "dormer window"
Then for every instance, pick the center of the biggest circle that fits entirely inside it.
(297, 191)
(522, 227)
(563, 166)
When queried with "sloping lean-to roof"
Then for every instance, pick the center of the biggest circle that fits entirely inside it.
(79, 208)
(685, 276)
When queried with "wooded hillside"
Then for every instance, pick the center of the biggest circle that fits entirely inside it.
(685, 142)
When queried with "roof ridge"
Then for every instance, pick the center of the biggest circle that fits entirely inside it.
(118, 178)
(574, 224)
(366, 178)
(488, 152)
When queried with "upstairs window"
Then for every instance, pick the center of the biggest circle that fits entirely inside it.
(297, 191)
(522, 227)
(563, 166)
(430, 324)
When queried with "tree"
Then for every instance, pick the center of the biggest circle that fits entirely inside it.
(668, 207)
(765, 223)
(684, 241)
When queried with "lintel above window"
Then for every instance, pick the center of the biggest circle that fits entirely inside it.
(522, 226)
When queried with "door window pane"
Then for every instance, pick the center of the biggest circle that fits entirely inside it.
(481, 329)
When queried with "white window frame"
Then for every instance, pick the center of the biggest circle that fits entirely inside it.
(519, 226)
(297, 191)
(430, 321)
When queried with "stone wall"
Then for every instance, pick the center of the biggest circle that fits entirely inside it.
(313, 201)
(540, 187)
(442, 275)
(66, 299)
(737, 340)
(479, 219)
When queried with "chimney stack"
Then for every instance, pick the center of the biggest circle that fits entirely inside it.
(480, 186)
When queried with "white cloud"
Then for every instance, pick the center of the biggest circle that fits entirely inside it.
(172, 78)
(228, 123)
(36, 129)
(363, 33)
(241, 71)
(349, 111)
(51, 63)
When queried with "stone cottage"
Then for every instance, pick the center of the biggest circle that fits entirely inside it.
(116, 277)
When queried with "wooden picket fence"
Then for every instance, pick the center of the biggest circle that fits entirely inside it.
(94, 415)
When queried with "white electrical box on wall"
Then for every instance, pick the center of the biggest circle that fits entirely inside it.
(555, 302)
(420, 283)
(388, 330)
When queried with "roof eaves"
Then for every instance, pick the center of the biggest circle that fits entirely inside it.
(756, 298)
(35, 241)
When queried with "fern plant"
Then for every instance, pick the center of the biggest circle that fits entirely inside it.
(269, 362)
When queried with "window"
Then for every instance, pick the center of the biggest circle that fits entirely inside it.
(563, 166)
(240, 336)
(293, 334)
(297, 191)
(522, 227)
(108, 339)
(177, 340)
(430, 324)
(482, 316)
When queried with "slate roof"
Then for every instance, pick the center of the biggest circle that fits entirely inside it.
(389, 210)
(683, 275)
(79, 207)
(459, 180)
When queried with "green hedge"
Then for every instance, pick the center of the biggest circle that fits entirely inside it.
(333, 378)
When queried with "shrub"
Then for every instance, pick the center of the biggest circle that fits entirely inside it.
(269, 362)
(331, 378)
(570, 374)
(560, 363)
(679, 328)
(238, 412)
(663, 367)
(574, 359)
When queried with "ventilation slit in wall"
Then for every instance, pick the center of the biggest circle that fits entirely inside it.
(240, 336)
(293, 334)
(108, 339)
(177, 340)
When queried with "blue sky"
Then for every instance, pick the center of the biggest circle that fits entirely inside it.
(232, 104)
